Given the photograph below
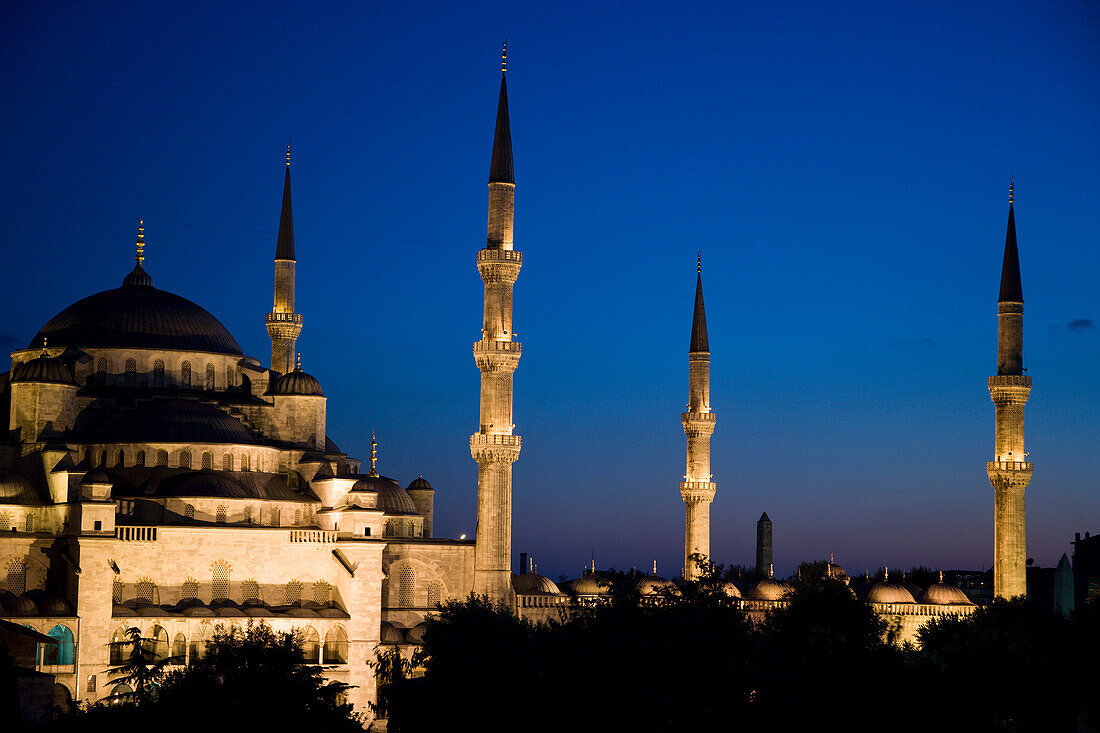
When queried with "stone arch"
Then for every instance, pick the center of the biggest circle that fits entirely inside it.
(185, 459)
(311, 645)
(336, 645)
(207, 461)
(120, 459)
(63, 652)
(179, 647)
(120, 641)
(161, 647)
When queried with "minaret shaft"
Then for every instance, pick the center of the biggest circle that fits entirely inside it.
(494, 446)
(1010, 471)
(697, 490)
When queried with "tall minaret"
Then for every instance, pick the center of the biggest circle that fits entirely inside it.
(283, 324)
(494, 446)
(697, 489)
(1010, 471)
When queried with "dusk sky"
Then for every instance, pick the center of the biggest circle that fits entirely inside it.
(843, 166)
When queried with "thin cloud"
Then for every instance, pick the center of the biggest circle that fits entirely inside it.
(1080, 324)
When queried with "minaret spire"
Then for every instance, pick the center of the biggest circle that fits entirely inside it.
(140, 256)
(1009, 471)
(495, 446)
(697, 490)
(283, 323)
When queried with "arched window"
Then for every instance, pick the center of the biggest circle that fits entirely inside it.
(406, 587)
(179, 648)
(158, 373)
(322, 591)
(121, 691)
(103, 459)
(385, 592)
(311, 645)
(227, 462)
(248, 515)
(207, 461)
(120, 646)
(62, 699)
(63, 651)
(104, 366)
(387, 531)
(160, 643)
(219, 516)
(336, 646)
(131, 372)
(120, 459)
(139, 459)
(219, 589)
(244, 462)
(185, 459)
(410, 528)
(190, 590)
(210, 377)
(29, 522)
(17, 577)
(275, 517)
(293, 593)
(435, 594)
(185, 375)
(199, 642)
(189, 511)
(116, 593)
(147, 591)
(297, 517)
(5, 521)
(162, 458)
(229, 377)
(250, 591)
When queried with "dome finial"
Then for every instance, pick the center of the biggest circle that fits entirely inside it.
(373, 455)
(699, 262)
(885, 573)
(771, 570)
(1011, 187)
(44, 352)
(941, 576)
(298, 363)
(140, 256)
(288, 155)
(504, 57)
(654, 568)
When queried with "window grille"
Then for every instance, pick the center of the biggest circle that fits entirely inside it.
(219, 589)
(207, 461)
(5, 522)
(229, 377)
(147, 591)
(293, 593)
(158, 373)
(210, 377)
(91, 683)
(30, 523)
(162, 458)
(250, 590)
(185, 459)
(17, 577)
(248, 514)
(189, 511)
(120, 459)
(131, 372)
(220, 515)
(435, 594)
(388, 530)
(322, 591)
(406, 587)
(139, 459)
(116, 593)
(227, 462)
(190, 590)
(336, 646)
(275, 517)
(101, 371)
(185, 374)
(297, 517)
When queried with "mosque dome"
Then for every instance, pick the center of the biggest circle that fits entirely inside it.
(534, 584)
(14, 489)
(730, 589)
(204, 483)
(834, 571)
(769, 589)
(137, 316)
(652, 585)
(21, 606)
(420, 484)
(298, 384)
(391, 634)
(590, 585)
(944, 594)
(177, 421)
(392, 499)
(888, 592)
(95, 476)
(43, 369)
(415, 635)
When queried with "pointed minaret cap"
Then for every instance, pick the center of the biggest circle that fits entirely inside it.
(284, 245)
(500, 169)
(763, 518)
(1011, 289)
(699, 341)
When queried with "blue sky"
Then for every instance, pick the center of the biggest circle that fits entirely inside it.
(843, 167)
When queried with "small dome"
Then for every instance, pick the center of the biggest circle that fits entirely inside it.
(197, 611)
(391, 634)
(533, 583)
(769, 589)
(14, 489)
(297, 384)
(22, 606)
(43, 369)
(888, 592)
(95, 477)
(834, 571)
(652, 585)
(944, 594)
(589, 585)
(415, 635)
(392, 499)
(298, 612)
(730, 589)
(57, 607)
(421, 484)
(138, 277)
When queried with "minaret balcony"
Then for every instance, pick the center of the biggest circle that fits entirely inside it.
(280, 318)
(500, 255)
(998, 466)
(699, 416)
(1010, 380)
(695, 491)
(487, 346)
(495, 447)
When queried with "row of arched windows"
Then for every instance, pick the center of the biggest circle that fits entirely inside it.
(184, 460)
(397, 528)
(103, 368)
(148, 593)
(9, 524)
(406, 589)
(335, 646)
(221, 515)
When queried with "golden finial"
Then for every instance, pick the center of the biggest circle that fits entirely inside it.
(1011, 186)
(654, 568)
(885, 573)
(288, 155)
(373, 455)
(298, 363)
(44, 351)
(504, 57)
(699, 262)
(941, 576)
(771, 570)
(140, 256)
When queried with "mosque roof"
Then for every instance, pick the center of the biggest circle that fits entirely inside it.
(889, 592)
(420, 483)
(500, 168)
(392, 499)
(589, 585)
(297, 383)
(176, 482)
(534, 584)
(14, 489)
(175, 421)
(43, 369)
(652, 585)
(699, 342)
(284, 244)
(137, 316)
(769, 589)
(944, 594)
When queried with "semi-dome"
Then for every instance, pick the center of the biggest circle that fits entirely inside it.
(43, 369)
(14, 489)
(944, 594)
(297, 384)
(589, 585)
(204, 484)
(176, 421)
(652, 585)
(391, 634)
(534, 584)
(769, 589)
(392, 499)
(888, 592)
(137, 316)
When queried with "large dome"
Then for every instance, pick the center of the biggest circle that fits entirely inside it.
(137, 316)
(175, 421)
